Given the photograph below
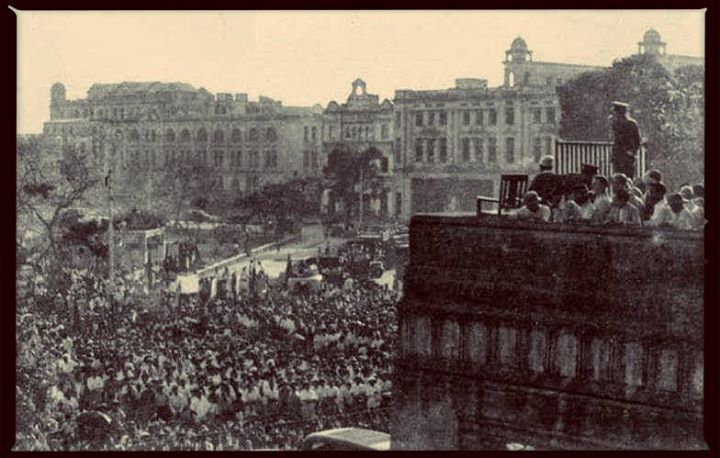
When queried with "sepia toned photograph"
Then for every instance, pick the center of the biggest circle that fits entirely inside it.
(360, 230)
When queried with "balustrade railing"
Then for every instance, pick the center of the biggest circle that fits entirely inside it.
(570, 155)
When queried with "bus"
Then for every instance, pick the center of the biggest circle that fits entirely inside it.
(347, 439)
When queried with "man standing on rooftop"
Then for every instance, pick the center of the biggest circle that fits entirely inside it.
(626, 140)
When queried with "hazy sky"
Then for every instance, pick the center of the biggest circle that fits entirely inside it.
(303, 58)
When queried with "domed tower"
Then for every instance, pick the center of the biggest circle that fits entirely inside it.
(518, 51)
(516, 63)
(652, 43)
(57, 100)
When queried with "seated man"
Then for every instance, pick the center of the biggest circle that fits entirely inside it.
(674, 214)
(601, 200)
(547, 184)
(569, 209)
(533, 210)
(622, 212)
(655, 192)
(686, 192)
(699, 213)
(621, 181)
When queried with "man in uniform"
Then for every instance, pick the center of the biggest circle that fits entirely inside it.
(626, 140)
(547, 184)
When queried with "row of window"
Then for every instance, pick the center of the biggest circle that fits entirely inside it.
(310, 159)
(363, 132)
(476, 149)
(481, 117)
(201, 135)
(236, 158)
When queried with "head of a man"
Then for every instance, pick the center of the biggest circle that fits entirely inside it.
(652, 177)
(620, 180)
(675, 202)
(619, 110)
(580, 194)
(547, 163)
(640, 184)
(622, 196)
(532, 201)
(686, 192)
(599, 185)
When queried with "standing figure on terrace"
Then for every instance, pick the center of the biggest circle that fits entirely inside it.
(626, 140)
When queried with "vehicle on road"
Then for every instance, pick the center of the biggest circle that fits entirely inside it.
(347, 439)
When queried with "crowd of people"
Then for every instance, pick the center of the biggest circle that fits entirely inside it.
(245, 372)
(621, 200)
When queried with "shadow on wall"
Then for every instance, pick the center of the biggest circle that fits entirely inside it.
(425, 425)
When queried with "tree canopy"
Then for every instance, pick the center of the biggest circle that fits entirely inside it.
(344, 169)
(669, 109)
(280, 203)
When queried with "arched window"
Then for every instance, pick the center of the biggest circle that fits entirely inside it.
(101, 114)
(526, 79)
(219, 136)
(236, 136)
(202, 135)
(170, 135)
(153, 135)
(511, 79)
(270, 134)
(253, 134)
(185, 135)
(118, 134)
(134, 135)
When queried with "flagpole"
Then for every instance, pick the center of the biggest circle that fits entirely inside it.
(111, 240)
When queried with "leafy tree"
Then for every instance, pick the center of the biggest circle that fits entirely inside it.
(669, 109)
(46, 188)
(344, 171)
(280, 203)
(184, 184)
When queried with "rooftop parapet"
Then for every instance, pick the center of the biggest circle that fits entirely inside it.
(645, 281)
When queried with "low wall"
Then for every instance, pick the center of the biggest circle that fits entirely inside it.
(550, 335)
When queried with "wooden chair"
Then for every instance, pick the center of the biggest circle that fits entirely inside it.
(512, 191)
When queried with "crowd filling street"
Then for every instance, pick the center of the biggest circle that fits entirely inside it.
(243, 371)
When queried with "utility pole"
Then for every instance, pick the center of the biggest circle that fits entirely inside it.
(111, 246)
(360, 216)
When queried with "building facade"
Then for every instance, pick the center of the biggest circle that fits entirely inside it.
(440, 148)
(140, 130)
(453, 144)
(361, 123)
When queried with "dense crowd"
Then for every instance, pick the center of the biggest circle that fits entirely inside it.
(643, 201)
(233, 373)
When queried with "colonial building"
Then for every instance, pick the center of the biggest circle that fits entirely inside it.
(140, 129)
(453, 144)
(363, 122)
(440, 147)
(652, 44)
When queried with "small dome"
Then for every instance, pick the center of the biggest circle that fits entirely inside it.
(58, 87)
(652, 36)
(519, 44)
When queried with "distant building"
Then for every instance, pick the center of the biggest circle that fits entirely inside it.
(652, 44)
(139, 128)
(454, 143)
(441, 147)
(361, 123)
